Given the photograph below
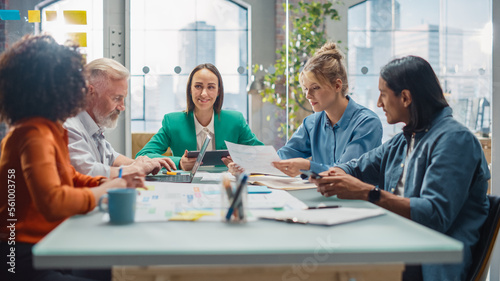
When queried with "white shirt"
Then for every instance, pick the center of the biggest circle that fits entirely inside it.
(89, 151)
(400, 189)
(201, 132)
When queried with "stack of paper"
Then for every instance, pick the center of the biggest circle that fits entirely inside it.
(283, 183)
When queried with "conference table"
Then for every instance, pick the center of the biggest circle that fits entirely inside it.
(371, 249)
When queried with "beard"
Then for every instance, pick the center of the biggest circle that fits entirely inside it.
(109, 121)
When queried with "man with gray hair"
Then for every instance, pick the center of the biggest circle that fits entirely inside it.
(90, 153)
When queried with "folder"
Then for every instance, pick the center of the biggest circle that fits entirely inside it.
(323, 216)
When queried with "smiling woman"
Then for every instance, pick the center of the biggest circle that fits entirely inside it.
(183, 131)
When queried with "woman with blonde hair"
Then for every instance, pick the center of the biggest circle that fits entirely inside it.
(339, 130)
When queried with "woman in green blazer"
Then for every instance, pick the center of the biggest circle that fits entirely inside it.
(183, 131)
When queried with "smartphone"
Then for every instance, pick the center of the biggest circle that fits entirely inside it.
(310, 174)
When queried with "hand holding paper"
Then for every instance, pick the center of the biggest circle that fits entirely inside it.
(254, 159)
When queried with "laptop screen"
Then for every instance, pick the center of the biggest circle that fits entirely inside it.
(201, 155)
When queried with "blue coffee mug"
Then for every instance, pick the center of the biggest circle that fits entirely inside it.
(121, 205)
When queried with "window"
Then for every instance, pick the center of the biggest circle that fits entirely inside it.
(168, 39)
(91, 32)
(454, 36)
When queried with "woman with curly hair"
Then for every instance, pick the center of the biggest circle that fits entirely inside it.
(41, 85)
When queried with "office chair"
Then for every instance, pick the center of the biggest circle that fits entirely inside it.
(489, 232)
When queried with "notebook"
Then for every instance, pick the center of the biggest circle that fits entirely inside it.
(187, 178)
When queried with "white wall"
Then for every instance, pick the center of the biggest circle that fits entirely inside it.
(115, 33)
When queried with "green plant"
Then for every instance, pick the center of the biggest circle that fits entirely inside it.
(307, 33)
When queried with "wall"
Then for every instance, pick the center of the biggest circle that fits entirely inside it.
(115, 22)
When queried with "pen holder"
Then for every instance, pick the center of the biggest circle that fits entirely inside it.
(234, 202)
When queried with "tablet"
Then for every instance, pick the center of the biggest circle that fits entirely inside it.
(211, 157)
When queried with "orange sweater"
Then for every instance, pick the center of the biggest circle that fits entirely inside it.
(38, 182)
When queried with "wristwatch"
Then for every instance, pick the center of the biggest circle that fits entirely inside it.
(374, 195)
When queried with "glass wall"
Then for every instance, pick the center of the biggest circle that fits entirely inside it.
(454, 36)
(168, 39)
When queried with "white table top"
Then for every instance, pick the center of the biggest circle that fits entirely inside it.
(86, 241)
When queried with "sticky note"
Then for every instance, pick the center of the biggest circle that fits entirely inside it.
(75, 17)
(10, 15)
(51, 15)
(78, 37)
(191, 215)
(148, 188)
(34, 16)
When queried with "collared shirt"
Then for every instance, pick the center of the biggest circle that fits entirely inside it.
(90, 153)
(447, 190)
(202, 131)
(359, 130)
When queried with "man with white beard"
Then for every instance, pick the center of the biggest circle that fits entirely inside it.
(90, 153)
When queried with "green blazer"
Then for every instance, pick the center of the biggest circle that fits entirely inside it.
(178, 132)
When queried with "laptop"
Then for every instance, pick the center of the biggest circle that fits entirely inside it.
(186, 178)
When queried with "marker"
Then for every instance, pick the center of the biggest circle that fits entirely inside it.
(120, 173)
(171, 173)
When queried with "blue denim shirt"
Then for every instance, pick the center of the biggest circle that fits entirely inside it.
(359, 130)
(446, 182)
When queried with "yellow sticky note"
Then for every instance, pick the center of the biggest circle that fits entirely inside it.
(190, 215)
(51, 15)
(34, 16)
(148, 188)
(75, 17)
(78, 37)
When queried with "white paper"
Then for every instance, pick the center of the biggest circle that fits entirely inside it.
(255, 159)
(283, 183)
(164, 200)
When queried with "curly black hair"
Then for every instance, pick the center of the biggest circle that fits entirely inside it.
(41, 78)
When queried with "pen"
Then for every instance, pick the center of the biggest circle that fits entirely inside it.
(323, 207)
(120, 172)
(243, 184)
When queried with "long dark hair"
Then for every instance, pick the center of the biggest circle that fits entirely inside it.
(189, 95)
(415, 74)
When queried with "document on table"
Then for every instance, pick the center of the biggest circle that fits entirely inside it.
(255, 159)
(167, 200)
(321, 216)
(283, 183)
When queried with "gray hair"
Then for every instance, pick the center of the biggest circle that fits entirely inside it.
(100, 70)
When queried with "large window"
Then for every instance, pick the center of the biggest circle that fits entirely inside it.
(454, 36)
(169, 38)
(88, 33)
